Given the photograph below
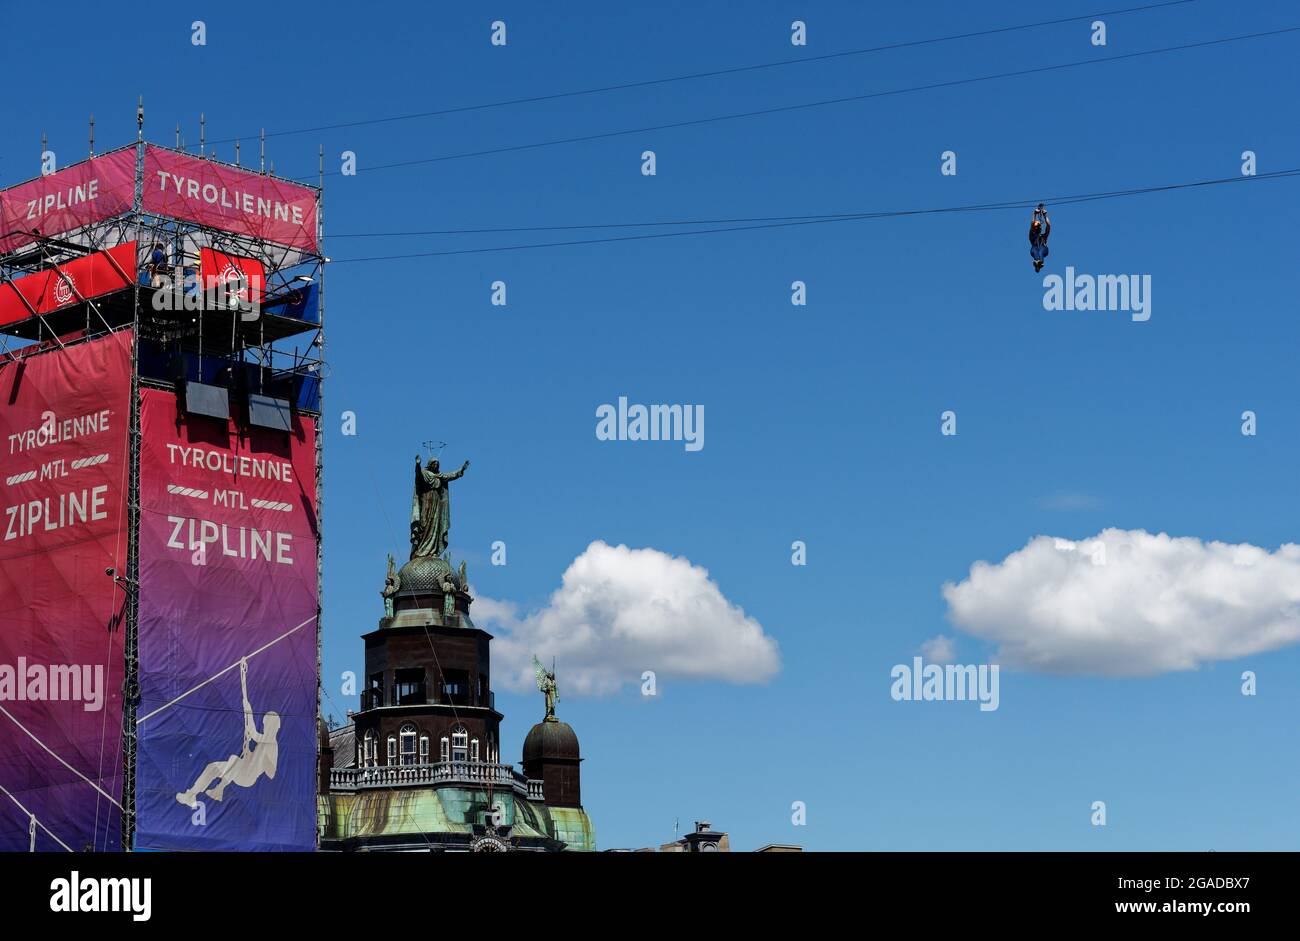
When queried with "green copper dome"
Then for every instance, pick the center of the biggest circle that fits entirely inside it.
(425, 575)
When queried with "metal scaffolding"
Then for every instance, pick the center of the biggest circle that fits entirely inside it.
(270, 353)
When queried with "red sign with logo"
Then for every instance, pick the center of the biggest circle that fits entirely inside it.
(86, 192)
(217, 269)
(196, 190)
(58, 287)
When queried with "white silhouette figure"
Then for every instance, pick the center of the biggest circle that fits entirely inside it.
(259, 756)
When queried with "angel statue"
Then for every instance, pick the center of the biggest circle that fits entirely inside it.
(448, 597)
(546, 683)
(391, 585)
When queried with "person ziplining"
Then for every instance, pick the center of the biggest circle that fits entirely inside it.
(1039, 229)
(260, 755)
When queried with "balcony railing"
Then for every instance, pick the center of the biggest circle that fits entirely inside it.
(475, 773)
(374, 699)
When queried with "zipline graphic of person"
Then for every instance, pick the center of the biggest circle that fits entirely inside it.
(259, 756)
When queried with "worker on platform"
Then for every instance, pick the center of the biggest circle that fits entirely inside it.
(157, 266)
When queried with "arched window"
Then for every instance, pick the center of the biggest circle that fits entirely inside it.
(473, 750)
(406, 735)
(369, 750)
(459, 744)
(392, 749)
(424, 749)
(444, 749)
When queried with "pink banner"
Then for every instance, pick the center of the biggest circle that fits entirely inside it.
(228, 604)
(224, 197)
(86, 192)
(65, 417)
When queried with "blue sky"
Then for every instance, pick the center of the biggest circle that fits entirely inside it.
(822, 421)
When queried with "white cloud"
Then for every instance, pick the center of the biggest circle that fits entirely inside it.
(619, 612)
(1130, 603)
(940, 649)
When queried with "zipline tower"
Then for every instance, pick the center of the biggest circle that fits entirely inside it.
(161, 364)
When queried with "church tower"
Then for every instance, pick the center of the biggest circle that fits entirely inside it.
(427, 692)
(419, 767)
(551, 751)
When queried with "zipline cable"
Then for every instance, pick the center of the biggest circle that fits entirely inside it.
(645, 83)
(783, 109)
(827, 216)
(843, 217)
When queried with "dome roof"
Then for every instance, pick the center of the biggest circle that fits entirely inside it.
(425, 575)
(551, 739)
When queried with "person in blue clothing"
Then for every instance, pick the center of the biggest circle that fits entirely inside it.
(157, 266)
(1039, 229)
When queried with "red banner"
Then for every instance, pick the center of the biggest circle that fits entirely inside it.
(49, 290)
(224, 197)
(64, 426)
(217, 268)
(86, 192)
